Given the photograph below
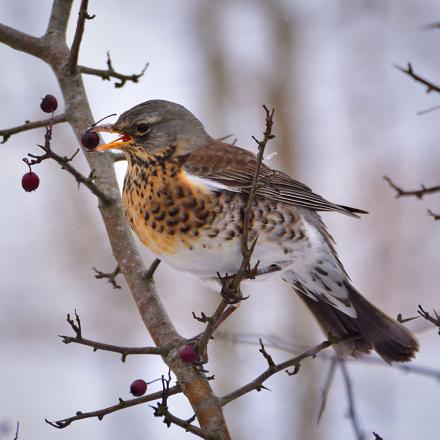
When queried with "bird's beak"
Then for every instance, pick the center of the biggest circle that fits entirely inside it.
(119, 143)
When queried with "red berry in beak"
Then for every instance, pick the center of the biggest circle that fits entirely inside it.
(30, 181)
(188, 354)
(90, 140)
(138, 387)
(49, 104)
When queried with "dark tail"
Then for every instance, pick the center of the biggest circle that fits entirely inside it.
(391, 340)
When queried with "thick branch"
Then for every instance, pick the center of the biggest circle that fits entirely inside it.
(8, 132)
(59, 17)
(257, 383)
(20, 41)
(430, 86)
(419, 193)
(99, 414)
(110, 72)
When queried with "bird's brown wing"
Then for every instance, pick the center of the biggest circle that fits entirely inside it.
(233, 167)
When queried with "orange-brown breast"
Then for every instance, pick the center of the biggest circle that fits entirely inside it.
(164, 208)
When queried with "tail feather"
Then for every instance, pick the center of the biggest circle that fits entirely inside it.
(390, 339)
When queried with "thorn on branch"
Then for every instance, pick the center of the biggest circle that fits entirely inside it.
(377, 436)
(110, 73)
(111, 276)
(152, 269)
(266, 355)
(295, 370)
(402, 320)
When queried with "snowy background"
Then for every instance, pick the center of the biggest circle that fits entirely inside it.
(344, 118)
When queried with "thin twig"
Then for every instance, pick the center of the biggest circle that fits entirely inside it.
(110, 72)
(430, 86)
(419, 193)
(111, 276)
(212, 324)
(257, 383)
(352, 413)
(161, 410)
(123, 351)
(280, 344)
(16, 431)
(7, 133)
(231, 285)
(99, 414)
(74, 51)
(434, 319)
(433, 215)
(327, 385)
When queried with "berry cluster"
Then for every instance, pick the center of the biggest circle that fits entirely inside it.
(90, 140)
(30, 181)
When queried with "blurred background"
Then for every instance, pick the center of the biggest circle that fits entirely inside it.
(344, 118)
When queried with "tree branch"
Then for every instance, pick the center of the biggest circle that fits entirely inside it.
(193, 382)
(20, 41)
(59, 18)
(327, 385)
(231, 284)
(257, 383)
(419, 193)
(161, 410)
(110, 72)
(430, 86)
(99, 414)
(352, 413)
(124, 351)
(74, 51)
(8, 132)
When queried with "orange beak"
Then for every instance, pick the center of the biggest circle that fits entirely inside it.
(118, 143)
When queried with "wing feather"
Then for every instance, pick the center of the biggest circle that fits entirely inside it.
(233, 167)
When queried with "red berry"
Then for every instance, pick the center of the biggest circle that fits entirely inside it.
(138, 387)
(30, 181)
(90, 140)
(188, 354)
(49, 104)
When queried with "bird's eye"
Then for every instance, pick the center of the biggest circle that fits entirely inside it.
(142, 128)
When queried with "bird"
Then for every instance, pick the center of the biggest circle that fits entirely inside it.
(184, 196)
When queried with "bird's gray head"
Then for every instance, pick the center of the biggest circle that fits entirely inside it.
(154, 126)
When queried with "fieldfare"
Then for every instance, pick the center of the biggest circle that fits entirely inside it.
(184, 196)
